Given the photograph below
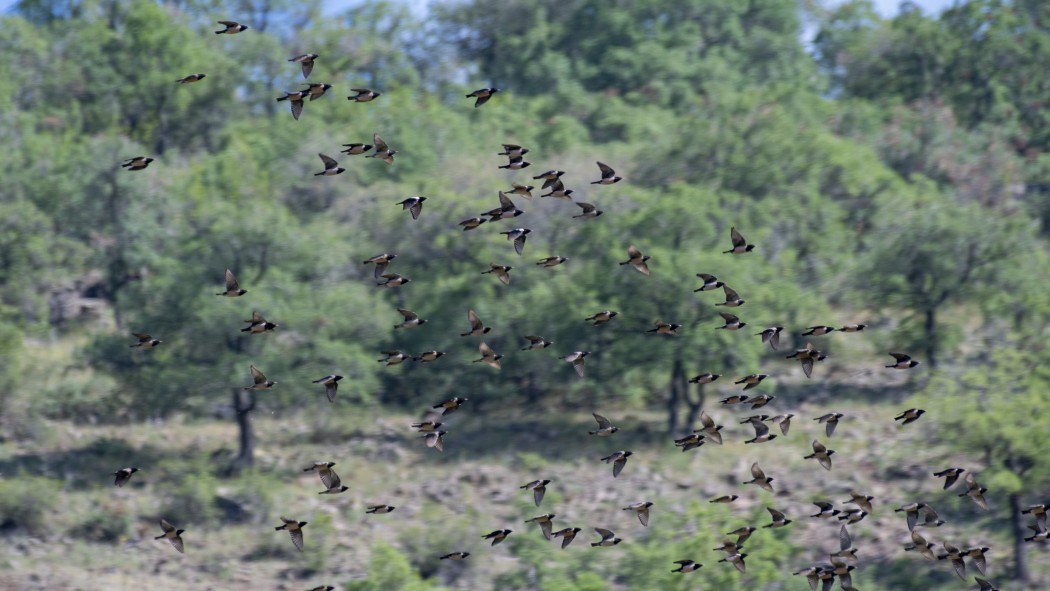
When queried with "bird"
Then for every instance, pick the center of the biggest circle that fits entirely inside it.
(760, 400)
(686, 566)
(853, 328)
(306, 61)
(709, 428)
(518, 235)
(608, 175)
(734, 399)
(435, 439)
(807, 357)
(752, 380)
(260, 381)
(608, 538)
(364, 95)
(860, 500)
(506, 209)
(381, 262)
(191, 78)
(637, 260)
(232, 28)
(477, 327)
(759, 478)
(324, 470)
(295, 101)
(513, 151)
(331, 384)
(817, 331)
(393, 357)
(414, 205)
(411, 319)
(450, 406)
(379, 509)
(950, 476)
(922, 546)
(393, 280)
(502, 272)
(316, 90)
(356, 149)
(822, 454)
(553, 261)
(558, 191)
(975, 491)
(778, 518)
(903, 361)
(830, 421)
(930, 517)
(691, 441)
(1039, 533)
(294, 529)
(136, 163)
(455, 556)
(911, 513)
(567, 535)
(576, 358)
(825, 510)
(428, 356)
(736, 560)
(145, 341)
(1037, 511)
(909, 416)
(605, 427)
(955, 556)
(538, 488)
(641, 509)
(602, 317)
(545, 522)
(536, 342)
(258, 324)
(724, 499)
(549, 178)
(984, 585)
(519, 189)
(122, 476)
(331, 167)
(977, 554)
(382, 150)
(482, 95)
(488, 356)
(172, 535)
(665, 328)
(782, 421)
(740, 246)
(732, 322)
(771, 335)
(589, 211)
(618, 460)
(497, 536)
(704, 378)
(516, 164)
(762, 433)
(732, 298)
(472, 223)
(334, 490)
(710, 282)
(427, 426)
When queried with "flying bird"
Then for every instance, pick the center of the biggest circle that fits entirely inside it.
(950, 476)
(381, 262)
(608, 538)
(172, 535)
(740, 246)
(637, 260)
(752, 380)
(364, 95)
(771, 335)
(830, 421)
(618, 460)
(356, 149)
(641, 509)
(497, 536)
(136, 163)
(455, 556)
(232, 28)
(331, 384)
(428, 356)
(477, 327)
(605, 427)
(295, 530)
(295, 101)
(975, 491)
(393, 357)
(710, 282)
(435, 439)
(414, 205)
(518, 235)
(382, 150)
(516, 164)
(545, 522)
(817, 331)
(602, 317)
(393, 280)
(686, 566)
(822, 454)
(488, 356)
(482, 95)
(608, 175)
(306, 61)
(549, 178)
(589, 211)
(733, 299)
(379, 509)
(536, 342)
(258, 324)
(122, 476)
(576, 358)
(732, 322)
(145, 341)
(513, 151)
(538, 488)
(779, 520)
(502, 272)
(758, 478)
(449, 406)
(412, 319)
(909, 416)
(331, 167)
(316, 90)
(704, 378)
(665, 328)
(260, 381)
(191, 79)
(903, 361)
(552, 261)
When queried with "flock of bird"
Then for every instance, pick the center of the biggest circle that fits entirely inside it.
(840, 564)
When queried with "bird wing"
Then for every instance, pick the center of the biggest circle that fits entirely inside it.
(505, 203)
(229, 23)
(547, 528)
(604, 533)
(475, 322)
(257, 375)
(731, 295)
(377, 141)
(819, 447)
(519, 244)
(577, 364)
(618, 465)
(776, 515)
(328, 161)
(231, 281)
(845, 541)
(761, 429)
(297, 538)
(329, 391)
(408, 314)
(633, 252)
(603, 423)
(416, 209)
(736, 237)
(901, 357)
(607, 170)
(167, 527)
(757, 472)
(486, 351)
(729, 318)
(537, 495)
(807, 368)
(643, 516)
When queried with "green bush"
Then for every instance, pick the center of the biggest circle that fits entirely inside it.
(25, 504)
(108, 525)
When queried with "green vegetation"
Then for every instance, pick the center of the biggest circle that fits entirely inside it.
(891, 172)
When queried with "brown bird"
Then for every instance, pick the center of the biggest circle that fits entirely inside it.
(602, 317)
(191, 79)
(709, 428)
(382, 151)
(136, 163)
(641, 509)
(472, 223)
(488, 356)
(910, 416)
(450, 406)
(637, 260)
(538, 488)
(331, 167)
(316, 90)
(497, 536)
(381, 262)
(512, 151)
(295, 101)
(502, 272)
(482, 96)
(549, 178)
(393, 280)
(950, 476)
(536, 342)
(975, 491)
(523, 190)
(618, 460)
(545, 522)
(752, 380)
(122, 476)
(771, 335)
(258, 324)
(356, 149)
(608, 175)
(414, 205)
(822, 454)
(364, 95)
(172, 535)
(552, 261)
(903, 361)
(477, 327)
(232, 28)
(412, 319)
(260, 381)
(576, 358)
(145, 341)
(331, 385)
(733, 299)
(732, 322)
(295, 530)
(665, 328)
(758, 478)
(830, 421)
(567, 535)
(740, 246)
(306, 61)
(393, 357)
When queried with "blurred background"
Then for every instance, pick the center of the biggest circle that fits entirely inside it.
(887, 160)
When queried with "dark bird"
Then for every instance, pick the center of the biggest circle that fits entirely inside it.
(382, 151)
(704, 378)
(260, 381)
(641, 509)
(393, 357)
(686, 566)
(331, 384)
(602, 317)
(903, 361)
(552, 261)
(191, 79)
(549, 178)
(724, 499)
(545, 522)
(732, 322)
(758, 478)
(136, 163)
(356, 149)
(513, 151)
(830, 421)
(450, 406)
(558, 191)
(122, 476)
(732, 297)
(911, 513)
(608, 175)
(477, 327)
(316, 90)
(826, 510)
(762, 433)
(364, 95)
(822, 454)
(567, 535)
(736, 560)
(232, 28)
(331, 167)
(518, 235)
(853, 328)
(955, 556)
(984, 585)
(145, 341)
(472, 223)
(817, 331)
(414, 205)
(502, 272)
(295, 530)
(488, 356)
(393, 280)
(172, 535)
(589, 211)
(506, 209)
(427, 426)
(497, 536)
(930, 517)
(295, 101)
(771, 335)
(910, 416)
(977, 554)
(691, 441)
(523, 190)
(734, 399)
(975, 491)
(379, 509)
(618, 460)
(412, 319)
(860, 500)
(576, 358)
(306, 61)
(608, 538)
(536, 342)
(752, 380)
(637, 260)
(605, 427)
(258, 324)
(435, 439)
(665, 328)
(1039, 533)
(538, 488)
(429, 356)
(516, 164)
(455, 556)
(1038, 512)
(482, 95)
(381, 262)
(807, 357)
(325, 472)
(950, 476)
(760, 400)
(782, 421)
(710, 282)
(778, 518)
(740, 245)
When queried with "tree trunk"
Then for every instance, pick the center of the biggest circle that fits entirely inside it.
(930, 329)
(244, 403)
(694, 407)
(1020, 548)
(679, 391)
